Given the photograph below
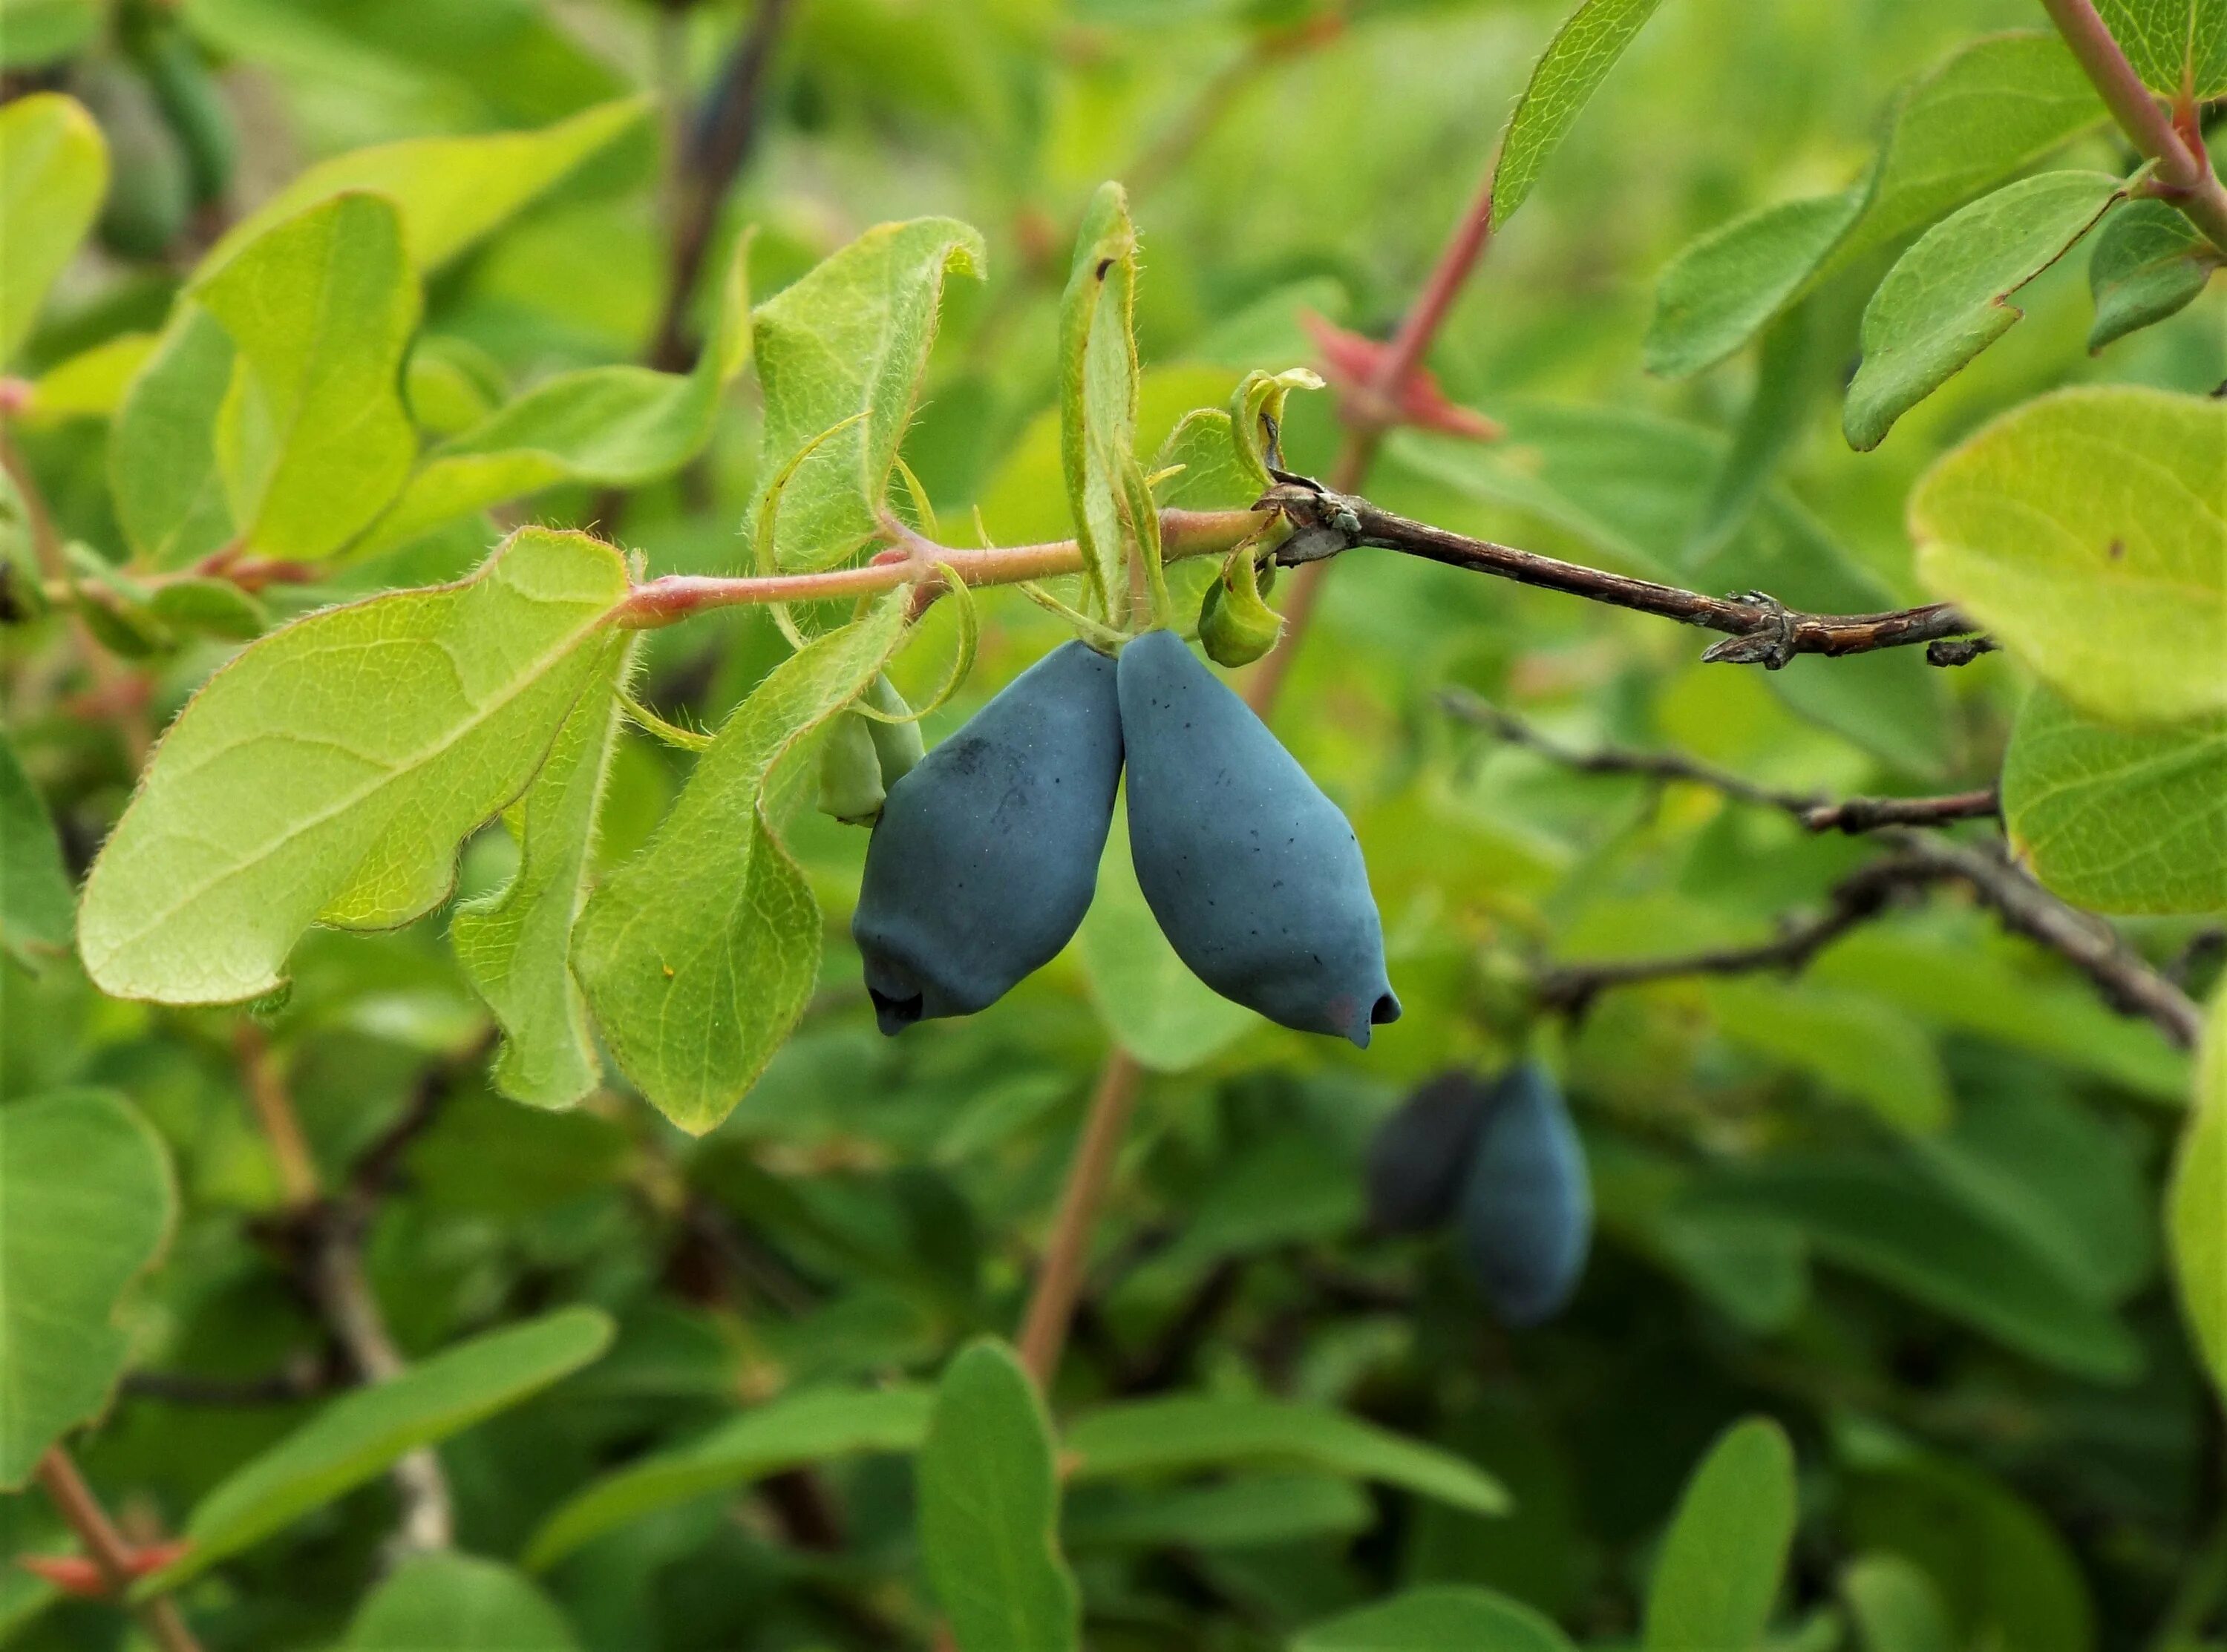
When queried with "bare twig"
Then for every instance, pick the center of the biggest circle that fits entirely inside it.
(104, 1546)
(266, 1084)
(1856, 814)
(1066, 1253)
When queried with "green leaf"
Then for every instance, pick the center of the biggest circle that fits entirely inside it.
(1576, 61)
(362, 1434)
(1720, 1568)
(214, 608)
(788, 1432)
(698, 955)
(92, 383)
(1098, 377)
(612, 426)
(2198, 1215)
(1441, 1618)
(1871, 1217)
(312, 438)
(852, 337)
(38, 908)
(459, 1604)
(2117, 820)
(54, 170)
(2088, 531)
(1787, 375)
(86, 1204)
(2178, 46)
(989, 1510)
(1947, 298)
(1250, 1512)
(1849, 1042)
(449, 191)
(34, 33)
(1988, 112)
(516, 945)
(1896, 1607)
(1153, 1006)
(327, 774)
(2149, 262)
(1190, 1431)
(161, 449)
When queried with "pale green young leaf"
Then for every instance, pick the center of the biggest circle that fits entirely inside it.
(1214, 475)
(2119, 819)
(1947, 298)
(851, 337)
(989, 1510)
(327, 773)
(811, 1426)
(1195, 1431)
(2178, 46)
(1153, 1006)
(698, 955)
(516, 945)
(1896, 1607)
(92, 383)
(1444, 1617)
(312, 438)
(614, 426)
(38, 908)
(1919, 1240)
(449, 191)
(1988, 112)
(86, 1203)
(1098, 375)
(1720, 1567)
(1576, 61)
(457, 1603)
(366, 1431)
(2149, 262)
(2197, 1218)
(161, 448)
(54, 170)
(2088, 531)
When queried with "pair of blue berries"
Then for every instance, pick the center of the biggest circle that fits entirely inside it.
(1500, 1160)
(986, 856)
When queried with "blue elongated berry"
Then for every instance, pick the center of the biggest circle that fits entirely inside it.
(1255, 877)
(987, 853)
(1420, 1153)
(1526, 1206)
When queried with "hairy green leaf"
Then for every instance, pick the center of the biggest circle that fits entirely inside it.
(1576, 61)
(327, 773)
(1192, 1432)
(2178, 46)
(811, 1426)
(699, 954)
(1870, 1216)
(1098, 376)
(2119, 819)
(1720, 1567)
(38, 908)
(2088, 530)
(312, 438)
(2149, 262)
(1895, 1606)
(365, 1431)
(1992, 109)
(162, 450)
(1444, 1617)
(2198, 1215)
(54, 170)
(449, 191)
(516, 944)
(459, 1604)
(615, 426)
(1947, 298)
(989, 1510)
(86, 1203)
(850, 338)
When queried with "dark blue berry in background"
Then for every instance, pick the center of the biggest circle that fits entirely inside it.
(1526, 1207)
(1255, 877)
(986, 857)
(1422, 1150)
